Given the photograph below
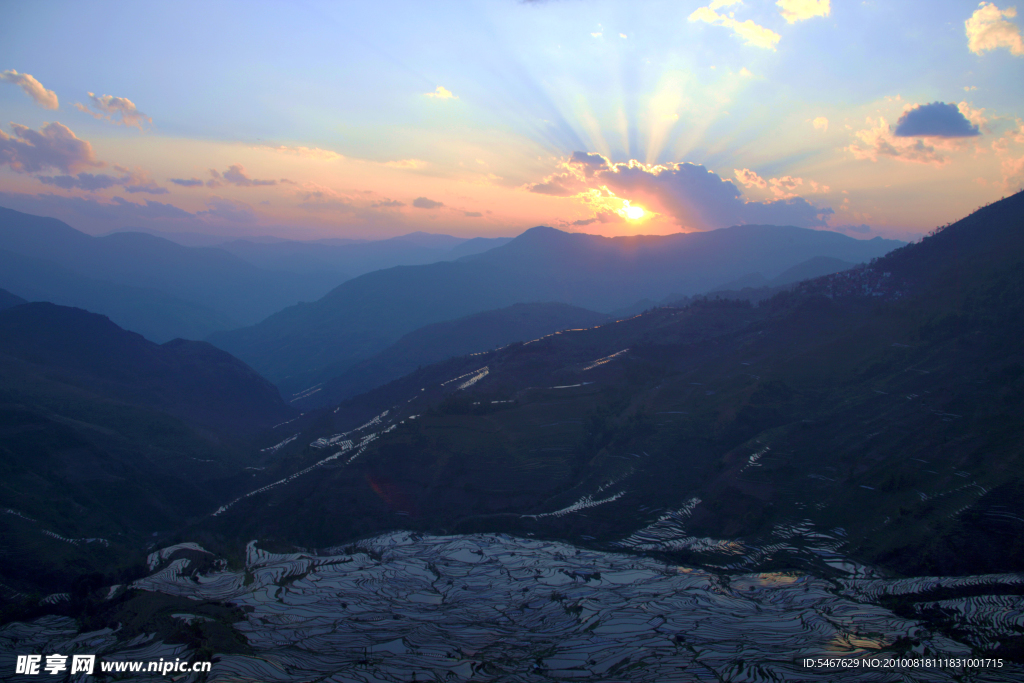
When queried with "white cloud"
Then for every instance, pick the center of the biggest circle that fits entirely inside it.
(784, 187)
(442, 93)
(749, 178)
(47, 99)
(820, 123)
(799, 10)
(110, 106)
(988, 29)
(411, 164)
(751, 33)
(308, 152)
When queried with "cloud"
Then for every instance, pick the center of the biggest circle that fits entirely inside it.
(308, 152)
(228, 210)
(799, 10)
(442, 93)
(236, 176)
(424, 203)
(988, 29)
(879, 141)
(750, 179)
(935, 120)
(820, 123)
(751, 33)
(132, 181)
(47, 99)
(82, 181)
(387, 204)
(695, 197)
(783, 188)
(109, 106)
(52, 146)
(138, 180)
(187, 182)
(472, 214)
(406, 163)
(1013, 173)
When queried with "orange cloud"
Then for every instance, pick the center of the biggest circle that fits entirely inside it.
(47, 99)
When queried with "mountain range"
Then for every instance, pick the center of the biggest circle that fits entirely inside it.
(876, 408)
(152, 285)
(308, 344)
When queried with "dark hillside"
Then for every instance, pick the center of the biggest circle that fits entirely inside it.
(872, 414)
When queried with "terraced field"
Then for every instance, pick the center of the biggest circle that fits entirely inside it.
(493, 607)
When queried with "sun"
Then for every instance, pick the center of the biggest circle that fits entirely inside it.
(633, 213)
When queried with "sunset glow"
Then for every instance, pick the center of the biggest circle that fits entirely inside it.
(322, 119)
(633, 213)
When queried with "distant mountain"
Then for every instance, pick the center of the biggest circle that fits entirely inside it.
(195, 239)
(352, 258)
(209, 277)
(440, 341)
(152, 313)
(7, 299)
(308, 344)
(870, 415)
(190, 380)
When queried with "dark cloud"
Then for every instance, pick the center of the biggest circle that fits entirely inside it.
(236, 176)
(591, 161)
(938, 119)
(152, 209)
(424, 203)
(697, 198)
(472, 214)
(52, 146)
(82, 181)
(187, 182)
(132, 181)
(387, 204)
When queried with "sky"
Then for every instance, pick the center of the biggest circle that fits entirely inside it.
(485, 118)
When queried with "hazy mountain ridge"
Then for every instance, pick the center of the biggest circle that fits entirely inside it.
(7, 299)
(358, 257)
(206, 277)
(308, 344)
(150, 312)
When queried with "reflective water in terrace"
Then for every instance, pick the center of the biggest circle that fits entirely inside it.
(498, 608)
